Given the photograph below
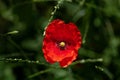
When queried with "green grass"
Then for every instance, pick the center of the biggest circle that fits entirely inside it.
(22, 24)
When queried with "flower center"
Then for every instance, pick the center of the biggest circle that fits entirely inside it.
(62, 44)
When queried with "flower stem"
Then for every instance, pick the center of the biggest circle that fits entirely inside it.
(53, 13)
(87, 22)
(10, 33)
(85, 34)
(16, 60)
(55, 9)
(88, 60)
(40, 72)
(106, 71)
(16, 46)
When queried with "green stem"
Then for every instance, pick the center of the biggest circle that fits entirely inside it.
(16, 45)
(87, 24)
(40, 72)
(16, 60)
(53, 13)
(88, 60)
(85, 34)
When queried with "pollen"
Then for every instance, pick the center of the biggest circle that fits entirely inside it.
(62, 44)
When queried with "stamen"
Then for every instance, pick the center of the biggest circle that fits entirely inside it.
(62, 44)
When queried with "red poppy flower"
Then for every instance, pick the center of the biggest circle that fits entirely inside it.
(61, 42)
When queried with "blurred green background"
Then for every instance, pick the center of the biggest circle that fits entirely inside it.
(98, 21)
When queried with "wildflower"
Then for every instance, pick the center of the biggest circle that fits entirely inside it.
(61, 42)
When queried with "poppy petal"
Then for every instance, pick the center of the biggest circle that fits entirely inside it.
(61, 42)
(67, 61)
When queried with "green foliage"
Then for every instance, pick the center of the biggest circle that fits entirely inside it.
(22, 24)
